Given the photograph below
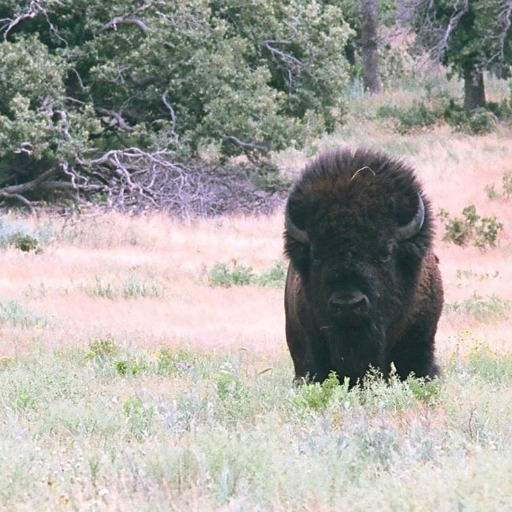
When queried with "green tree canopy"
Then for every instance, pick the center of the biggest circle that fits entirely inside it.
(469, 36)
(82, 78)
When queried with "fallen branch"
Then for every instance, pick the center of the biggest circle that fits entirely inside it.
(134, 181)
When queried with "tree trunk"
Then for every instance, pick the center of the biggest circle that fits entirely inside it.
(474, 90)
(370, 53)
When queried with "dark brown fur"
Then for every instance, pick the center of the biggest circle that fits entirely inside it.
(351, 205)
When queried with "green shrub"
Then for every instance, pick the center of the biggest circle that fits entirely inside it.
(418, 115)
(140, 416)
(477, 122)
(426, 391)
(18, 234)
(491, 192)
(274, 277)
(317, 396)
(102, 348)
(101, 288)
(506, 185)
(222, 275)
(481, 121)
(269, 177)
(484, 309)
(135, 287)
(225, 275)
(170, 362)
(480, 231)
(131, 367)
(470, 274)
(25, 243)
(131, 288)
(230, 387)
(248, 77)
(490, 365)
(502, 110)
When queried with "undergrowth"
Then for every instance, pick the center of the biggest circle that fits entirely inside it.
(471, 228)
(236, 274)
(78, 428)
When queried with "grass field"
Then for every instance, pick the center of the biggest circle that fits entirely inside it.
(130, 381)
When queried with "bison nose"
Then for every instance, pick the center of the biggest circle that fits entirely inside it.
(353, 305)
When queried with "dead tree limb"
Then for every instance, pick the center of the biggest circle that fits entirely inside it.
(120, 20)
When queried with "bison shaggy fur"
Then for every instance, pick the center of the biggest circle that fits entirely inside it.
(363, 287)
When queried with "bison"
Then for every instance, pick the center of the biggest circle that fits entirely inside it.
(363, 287)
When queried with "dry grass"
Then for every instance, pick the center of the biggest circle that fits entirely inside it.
(178, 256)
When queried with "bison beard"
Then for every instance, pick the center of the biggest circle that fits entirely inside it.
(363, 287)
(353, 349)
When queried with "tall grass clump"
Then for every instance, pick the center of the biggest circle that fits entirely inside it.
(483, 309)
(506, 188)
(15, 314)
(133, 287)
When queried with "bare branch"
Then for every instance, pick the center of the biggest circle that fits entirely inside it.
(19, 198)
(64, 118)
(285, 61)
(134, 180)
(246, 144)
(120, 20)
(504, 23)
(18, 191)
(29, 185)
(120, 121)
(34, 9)
(420, 14)
(171, 113)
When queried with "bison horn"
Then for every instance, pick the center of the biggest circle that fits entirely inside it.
(296, 233)
(409, 230)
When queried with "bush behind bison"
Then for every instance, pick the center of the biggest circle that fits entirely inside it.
(363, 287)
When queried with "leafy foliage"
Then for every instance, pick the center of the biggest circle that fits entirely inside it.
(477, 122)
(464, 34)
(506, 186)
(440, 108)
(480, 231)
(468, 37)
(420, 115)
(241, 275)
(24, 243)
(102, 348)
(317, 396)
(221, 275)
(85, 78)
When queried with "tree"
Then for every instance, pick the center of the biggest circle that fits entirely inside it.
(369, 48)
(94, 93)
(469, 36)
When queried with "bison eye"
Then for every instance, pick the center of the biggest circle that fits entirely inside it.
(315, 256)
(385, 255)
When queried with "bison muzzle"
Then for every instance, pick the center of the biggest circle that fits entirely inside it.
(363, 287)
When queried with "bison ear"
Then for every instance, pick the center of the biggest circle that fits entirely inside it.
(292, 224)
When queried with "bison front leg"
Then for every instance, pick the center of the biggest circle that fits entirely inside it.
(415, 354)
(310, 356)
